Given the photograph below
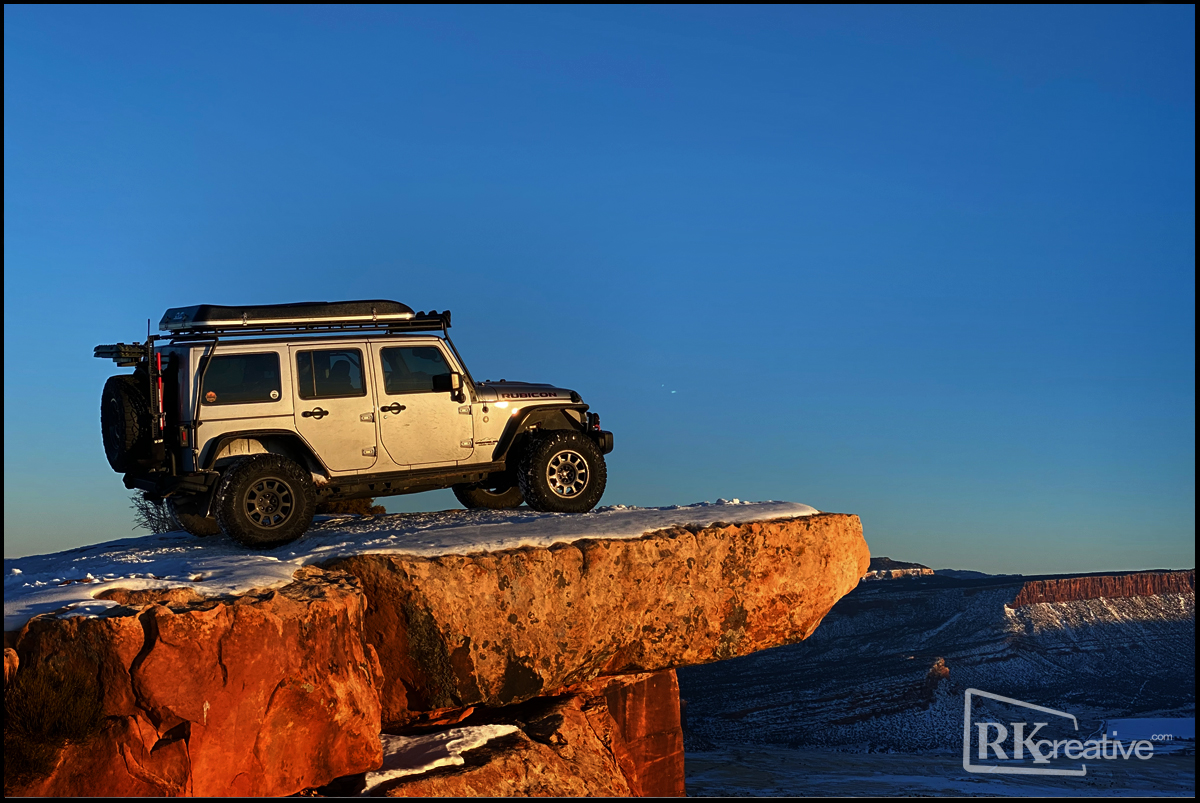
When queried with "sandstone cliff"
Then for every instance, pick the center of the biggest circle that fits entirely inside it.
(283, 690)
(1113, 586)
(498, 628)
(262, 694)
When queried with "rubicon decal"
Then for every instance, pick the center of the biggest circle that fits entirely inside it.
(542, 395)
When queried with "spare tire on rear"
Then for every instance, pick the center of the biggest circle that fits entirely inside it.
(124, 421)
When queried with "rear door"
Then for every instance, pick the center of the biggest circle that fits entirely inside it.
(335, 404)
(418, 426)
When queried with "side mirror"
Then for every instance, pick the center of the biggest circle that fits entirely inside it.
(448, 383)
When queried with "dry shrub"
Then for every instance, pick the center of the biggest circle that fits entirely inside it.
(153, 515)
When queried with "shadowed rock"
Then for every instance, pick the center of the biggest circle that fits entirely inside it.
(615, 736)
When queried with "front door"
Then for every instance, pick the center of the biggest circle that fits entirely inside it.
(418, 426)
(335, 408)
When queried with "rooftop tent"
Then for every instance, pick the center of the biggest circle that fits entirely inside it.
(315, 313)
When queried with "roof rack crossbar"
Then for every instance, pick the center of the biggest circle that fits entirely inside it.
(419, 323)
(215, 317)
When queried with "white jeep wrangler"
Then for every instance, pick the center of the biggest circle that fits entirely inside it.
(242, 418)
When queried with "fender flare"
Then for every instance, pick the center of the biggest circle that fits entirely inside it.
(536, 416)
(300, 448)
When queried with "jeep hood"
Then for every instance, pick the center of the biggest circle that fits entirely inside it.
(521, 392)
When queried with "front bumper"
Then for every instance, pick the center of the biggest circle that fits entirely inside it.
(604, 440)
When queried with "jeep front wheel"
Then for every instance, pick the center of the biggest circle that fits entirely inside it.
(265, 501)
(562, 472)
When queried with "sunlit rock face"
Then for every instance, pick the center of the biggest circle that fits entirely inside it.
(261, 694)
(1135, 584)
(498, 628)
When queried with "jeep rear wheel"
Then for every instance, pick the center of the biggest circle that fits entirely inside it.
(479, 497)
(265, 501)
(562, 472)
(190, 515)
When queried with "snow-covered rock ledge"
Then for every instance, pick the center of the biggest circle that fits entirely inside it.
(206, 661)
(75, 582)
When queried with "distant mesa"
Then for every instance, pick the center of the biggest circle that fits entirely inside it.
(1115, 586)
(965, 574)
(888, 569)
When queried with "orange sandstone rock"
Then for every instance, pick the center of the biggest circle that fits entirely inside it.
(263, 694)
(1136, 584)
(274, 692)
(498, 628)
(11, 661)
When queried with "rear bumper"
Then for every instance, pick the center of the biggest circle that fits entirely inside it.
(197, 482)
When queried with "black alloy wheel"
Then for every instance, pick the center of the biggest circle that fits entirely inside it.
(265, 500)
(562, 471)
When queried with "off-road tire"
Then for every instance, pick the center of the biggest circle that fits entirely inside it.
(553, 462)
(124, 421)
(265, 501)
(187, 511)
(477, 497)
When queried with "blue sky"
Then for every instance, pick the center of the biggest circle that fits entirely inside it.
(933, 266)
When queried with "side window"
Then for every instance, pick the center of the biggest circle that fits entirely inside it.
(329, 373)
(411, 369)
(240, 379)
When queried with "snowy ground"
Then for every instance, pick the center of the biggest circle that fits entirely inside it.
(68, 582)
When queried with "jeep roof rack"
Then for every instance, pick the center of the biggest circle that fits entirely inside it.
(207, 320)
(210, 317)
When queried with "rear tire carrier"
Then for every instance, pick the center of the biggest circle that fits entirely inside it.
(124, 422)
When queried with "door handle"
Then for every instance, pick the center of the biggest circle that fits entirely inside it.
(317, 413)
(393, 408)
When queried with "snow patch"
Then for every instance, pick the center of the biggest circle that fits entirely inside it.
(413, 755)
